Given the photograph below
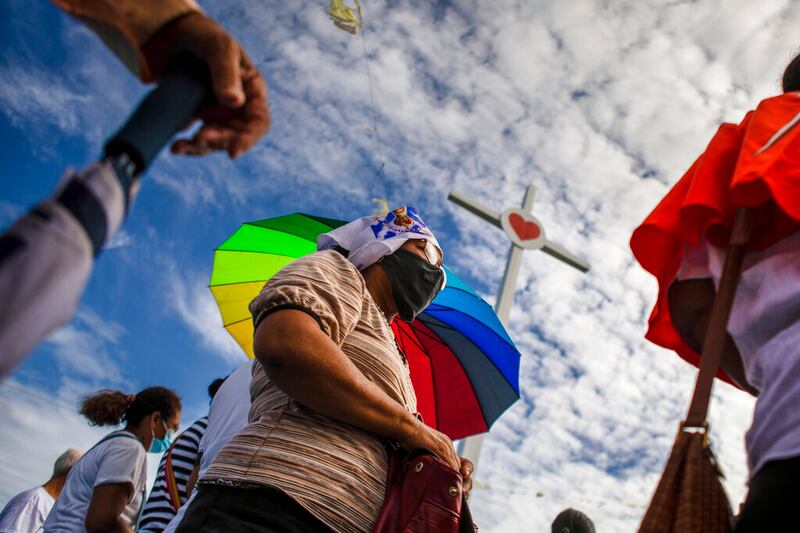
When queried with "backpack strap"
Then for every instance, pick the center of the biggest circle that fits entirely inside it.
(170, 481)
(112, 436)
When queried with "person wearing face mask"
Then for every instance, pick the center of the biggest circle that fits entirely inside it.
(171, 487)
(329, 386)
(105, 489)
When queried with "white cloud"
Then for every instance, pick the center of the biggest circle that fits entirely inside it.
(120, 240)
(189, 296)
(40, 101)
(37, 428)
(88, 352)
(9, 212)
(192, 188)
(30, 95)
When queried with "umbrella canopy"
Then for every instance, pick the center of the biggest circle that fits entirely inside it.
(463, 364)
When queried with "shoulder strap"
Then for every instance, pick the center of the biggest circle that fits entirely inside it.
(714, 341)
(171, 482)
(113, 436)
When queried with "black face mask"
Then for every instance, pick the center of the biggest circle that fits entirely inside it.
(414, 282)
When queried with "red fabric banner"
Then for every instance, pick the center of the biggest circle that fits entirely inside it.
(753, 164)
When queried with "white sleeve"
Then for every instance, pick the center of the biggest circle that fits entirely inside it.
(122, 462)
(45, 260)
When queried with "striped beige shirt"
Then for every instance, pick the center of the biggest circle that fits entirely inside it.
(334, 470)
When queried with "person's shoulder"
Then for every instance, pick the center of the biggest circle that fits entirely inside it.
(238, 380)
(31, 499)
(327, 259)
(198, 426)
(23, 497)
(191, 436)
(326, 266)
(39, 494)
(124, 442)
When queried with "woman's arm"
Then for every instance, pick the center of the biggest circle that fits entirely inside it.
(690, 303)
(308, 366)
(105, 509)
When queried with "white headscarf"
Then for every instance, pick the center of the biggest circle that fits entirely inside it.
(367, 239)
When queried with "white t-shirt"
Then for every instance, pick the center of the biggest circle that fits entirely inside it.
(26, 512)
(117, 458)
(765, 326)
(227, 415)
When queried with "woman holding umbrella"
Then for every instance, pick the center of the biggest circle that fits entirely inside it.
(328, 385)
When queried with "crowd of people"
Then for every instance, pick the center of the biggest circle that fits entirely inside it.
(296, 440)
(107, 489)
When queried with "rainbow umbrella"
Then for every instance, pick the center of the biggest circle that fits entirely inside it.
(464, 366)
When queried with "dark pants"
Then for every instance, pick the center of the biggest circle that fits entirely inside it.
(773, 499)
(220, 509)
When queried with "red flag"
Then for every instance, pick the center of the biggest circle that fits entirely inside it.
(753, 164)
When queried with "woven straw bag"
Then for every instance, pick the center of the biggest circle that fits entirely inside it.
(689, 497)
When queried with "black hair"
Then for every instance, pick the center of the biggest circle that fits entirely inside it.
(572, 521)
(214, 386)
(791, 76)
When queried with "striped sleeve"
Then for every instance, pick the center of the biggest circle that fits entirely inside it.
(159, 509)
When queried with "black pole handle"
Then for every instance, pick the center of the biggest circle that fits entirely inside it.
(162, 113)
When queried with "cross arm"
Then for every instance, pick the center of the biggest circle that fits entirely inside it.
(476, 208)
(493, 217)
(553, 249)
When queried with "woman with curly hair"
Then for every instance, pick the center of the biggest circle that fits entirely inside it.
(105, 489)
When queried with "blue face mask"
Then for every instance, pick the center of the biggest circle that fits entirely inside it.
(162, 445)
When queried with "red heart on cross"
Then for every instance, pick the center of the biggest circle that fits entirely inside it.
(526, 230)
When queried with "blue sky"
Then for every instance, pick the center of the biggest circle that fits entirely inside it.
(600, 105)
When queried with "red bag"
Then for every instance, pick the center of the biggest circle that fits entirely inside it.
(423, 494)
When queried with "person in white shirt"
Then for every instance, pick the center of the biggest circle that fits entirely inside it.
(228, 414)
(171, 489)
(105, 489)
(28, 510)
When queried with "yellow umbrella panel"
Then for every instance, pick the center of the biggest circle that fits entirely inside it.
(251, 256)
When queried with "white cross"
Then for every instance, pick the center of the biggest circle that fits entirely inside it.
(526, 233)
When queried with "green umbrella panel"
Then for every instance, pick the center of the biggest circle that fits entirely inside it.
(251, 256)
